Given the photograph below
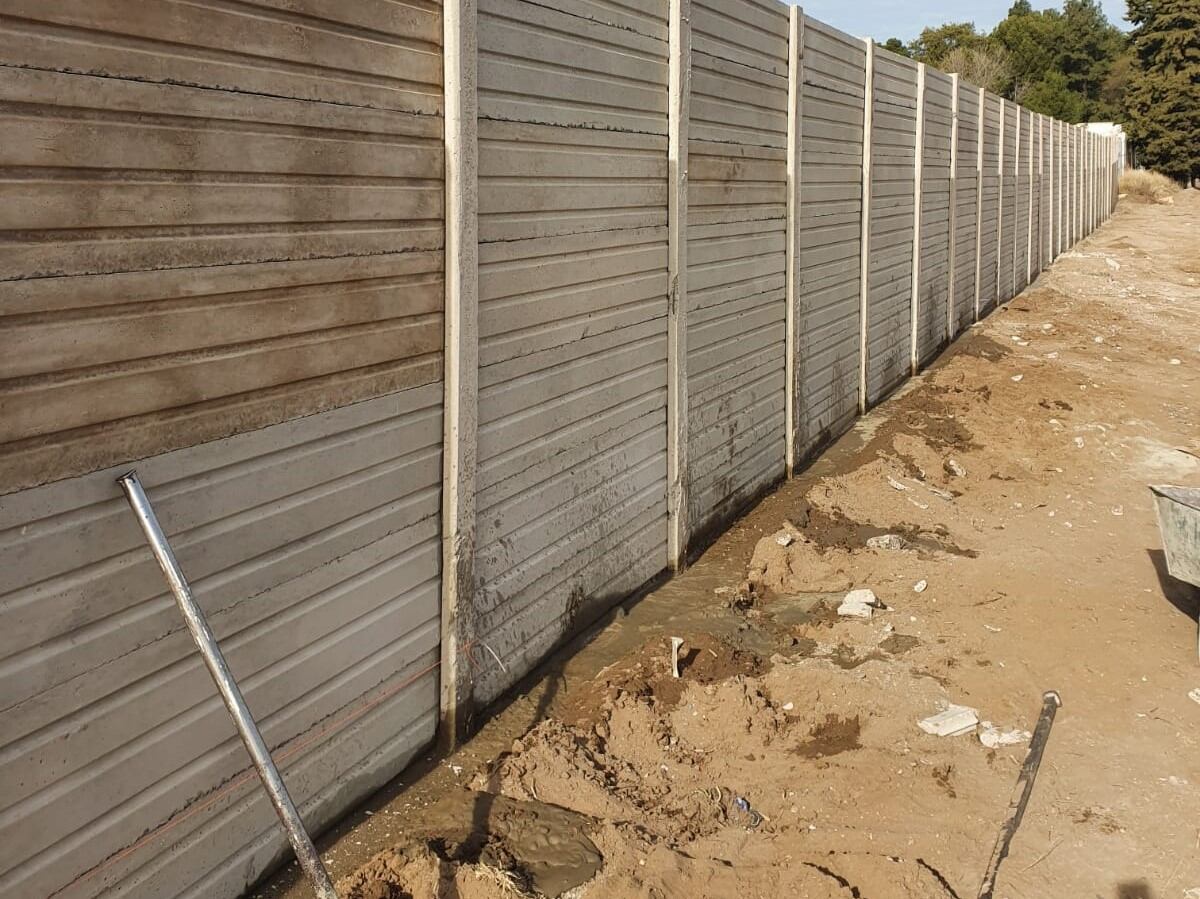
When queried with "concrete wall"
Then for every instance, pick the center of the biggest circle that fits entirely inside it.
(674, 249)
(890, 247)
(205, 243)
(737, 259)
(222, 264)
(966, 207)
(829, 225)
(932, 315)
(571, 480)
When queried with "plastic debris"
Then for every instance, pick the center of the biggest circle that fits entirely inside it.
(954, 721)
(919, 586)
(743, 805)
(860, 603)
(887, 541)
(993, 737)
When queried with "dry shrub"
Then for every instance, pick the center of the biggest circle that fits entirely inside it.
(1143, 186)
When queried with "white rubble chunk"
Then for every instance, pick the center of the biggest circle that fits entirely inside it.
(887, 541)
(859, 603)
(955, 720)
(993, 737)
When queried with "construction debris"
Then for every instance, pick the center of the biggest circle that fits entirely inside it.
(888, 541)
(954, 721)
(860, 603)
(993, 737)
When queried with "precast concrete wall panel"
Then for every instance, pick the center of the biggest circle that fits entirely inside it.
(571, 479)
(314, 548)
(1006, 260)
(831, 148)
(222, 264)
(933, 290)
(220, 217)
(737, 256)
(966, 213)
(1024, 186)
(989, 208)
(889, 292)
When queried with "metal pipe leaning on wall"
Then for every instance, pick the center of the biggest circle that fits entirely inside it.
(231, 694)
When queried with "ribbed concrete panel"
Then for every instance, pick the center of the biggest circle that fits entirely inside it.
(933, 289)
(893, 155)
(831, 139)
(1023, 164)
(1008, 207)
(314, 548)
(736, 233)
(571, 481)
(990, 204)
(217, 216)
(966, 215)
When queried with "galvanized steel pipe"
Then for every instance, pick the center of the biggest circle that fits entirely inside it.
(210, 651)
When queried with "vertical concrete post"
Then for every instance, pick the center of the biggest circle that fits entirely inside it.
(1000, 208)
(461, 366)
(679, 89)
(914, 297)
(953, 248)
(794, 139)
(982, 110)
(864, 262)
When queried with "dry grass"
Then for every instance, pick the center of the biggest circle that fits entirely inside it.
(1142, 186)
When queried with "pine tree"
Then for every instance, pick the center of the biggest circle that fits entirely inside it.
(1163, 100)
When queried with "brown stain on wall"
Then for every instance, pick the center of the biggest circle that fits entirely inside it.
(195, 243)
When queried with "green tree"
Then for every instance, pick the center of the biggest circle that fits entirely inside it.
(1163, 99)
(1053, 96)
(1034, 41)
(896, 46)
(1090, 45)
(935, 44)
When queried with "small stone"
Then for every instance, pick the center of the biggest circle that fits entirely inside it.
(919, 586)
(1177, 362)
(1097, 339)
(783, 538)
(955, 468)
(1079, 442)
(1017, 377)
(1194, 695)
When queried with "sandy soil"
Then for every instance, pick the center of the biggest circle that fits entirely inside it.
(787, 760)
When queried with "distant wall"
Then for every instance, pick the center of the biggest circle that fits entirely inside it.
(433, 334)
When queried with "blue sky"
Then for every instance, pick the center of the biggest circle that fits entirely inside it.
(882, 19)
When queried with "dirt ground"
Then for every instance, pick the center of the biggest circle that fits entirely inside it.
(787, 760)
